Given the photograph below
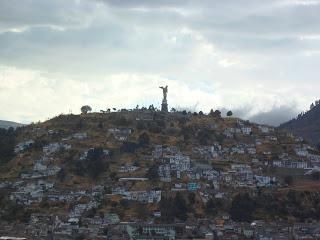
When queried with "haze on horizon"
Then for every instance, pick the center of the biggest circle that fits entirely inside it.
(259, 59)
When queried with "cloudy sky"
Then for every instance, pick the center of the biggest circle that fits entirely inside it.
(259, 58)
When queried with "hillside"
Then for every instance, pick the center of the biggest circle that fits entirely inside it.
(144, 165)
(306, 125)
(8, 124)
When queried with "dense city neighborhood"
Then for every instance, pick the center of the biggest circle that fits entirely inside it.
(146, 174)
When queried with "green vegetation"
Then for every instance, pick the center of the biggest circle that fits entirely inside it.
(7, 144)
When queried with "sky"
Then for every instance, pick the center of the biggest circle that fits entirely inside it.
(258, 58)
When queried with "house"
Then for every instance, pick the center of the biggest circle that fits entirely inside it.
(263, 181)
(157, 214)
(204, 171)
(153, 196)
(192, 186)
(164, 172)
(144, 116)
(251, 150)
(128, 168)
(265, 129)
(290, 164)
(157, 153)
(80, 136)
(301, 152)
(179, 162)
(54, 147)
(246, 130)
(23, 146)
(111, 218)
(207, 152)
(120, 134)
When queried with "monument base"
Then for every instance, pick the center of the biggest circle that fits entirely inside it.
(164, 107)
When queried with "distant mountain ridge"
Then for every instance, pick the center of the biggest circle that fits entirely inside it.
(8, 124)
(306, 124)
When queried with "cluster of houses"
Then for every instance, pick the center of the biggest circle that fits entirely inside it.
(153, 196)
(45, 166)
(31, 192)
(174, 165)
(23, 146)
(178, 170)
(109, 226)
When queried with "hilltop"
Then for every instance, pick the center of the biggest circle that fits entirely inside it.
(147, 165)
(306, 124)
(8, 124)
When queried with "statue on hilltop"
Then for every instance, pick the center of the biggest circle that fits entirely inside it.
(164, 105)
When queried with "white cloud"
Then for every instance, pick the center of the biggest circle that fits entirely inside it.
(213, 54)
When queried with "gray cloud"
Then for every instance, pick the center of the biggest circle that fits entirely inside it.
(276, 116)
(215, 53)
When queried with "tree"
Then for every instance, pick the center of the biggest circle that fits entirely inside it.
(211, 207)
(85, 109)
(152, 173)
(95, 164)
(142, 212)
(201, 113)
(242, 208)
(312, 106)
(217, 113)
(180, 207)
(229, 113)
(192, 198)
(144, 140)
(61, 175)
(173, 110)
(167, 210)
(128, 147)
(315, 176)
(203, 136)
(288, 180)
(100, 125)
(318, 146)
(7, 145)
(151, 108)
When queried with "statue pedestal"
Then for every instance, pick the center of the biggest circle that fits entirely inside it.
(164, 106)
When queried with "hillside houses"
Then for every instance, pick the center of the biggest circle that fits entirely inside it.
(31, 193)
(164, 172)
(290, 164)
(23, 146)
(207, 152)
(54, 147)
(203, 171)
(301, 151)
(265, 129)
(153, 196)
(80, 136)
(120, 134)
(240, 175)
(128, 168)
(204, 176)
(264, 181)
(246, 130)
